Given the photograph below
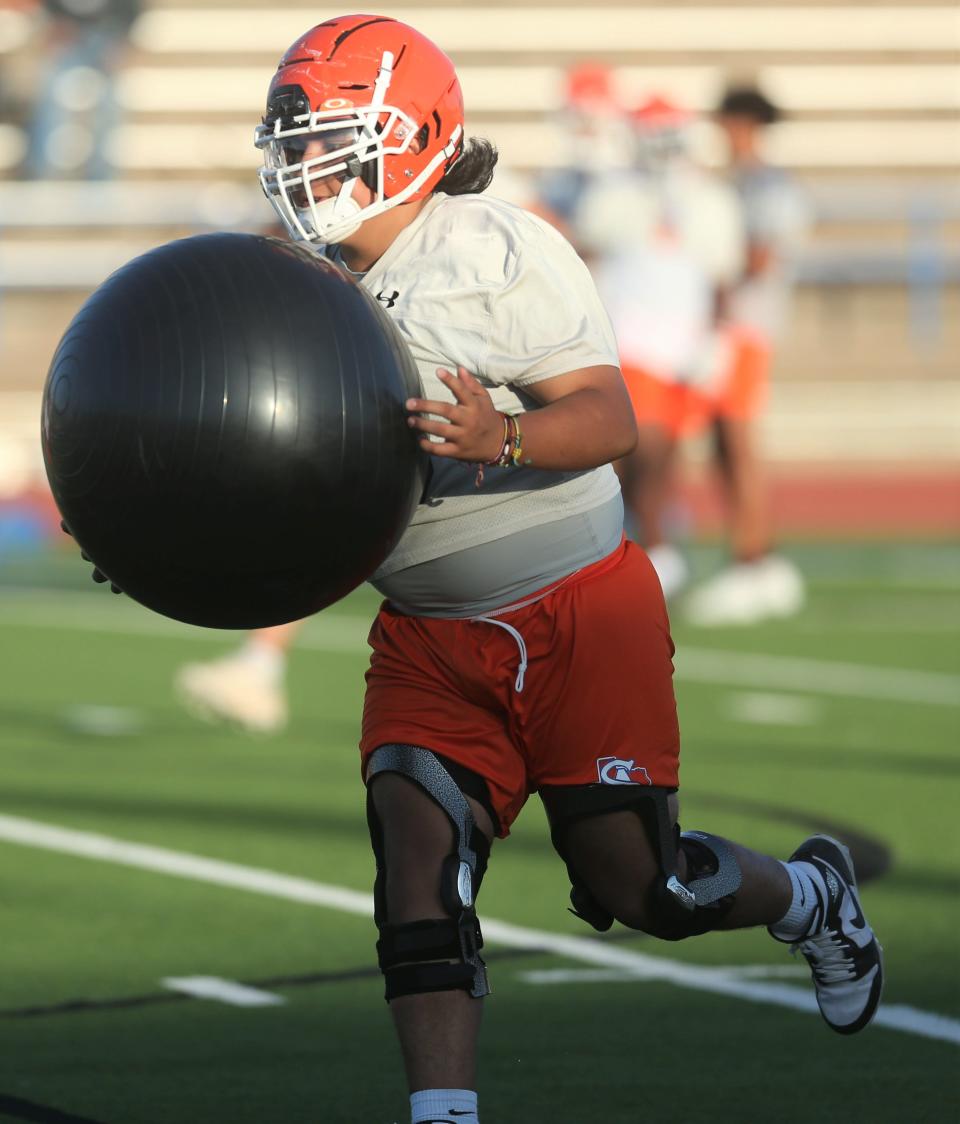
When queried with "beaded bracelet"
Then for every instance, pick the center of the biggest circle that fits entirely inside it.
(503, 457)
(516, 457)
(511, 449)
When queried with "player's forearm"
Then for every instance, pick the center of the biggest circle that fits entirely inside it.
(585, 429)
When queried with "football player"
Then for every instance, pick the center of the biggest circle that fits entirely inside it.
(759, 583)
(522, 645)
(666, 242)
(594, 133)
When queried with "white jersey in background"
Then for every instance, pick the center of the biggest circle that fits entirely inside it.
(661, 246)
(777, 215)
(479, 283)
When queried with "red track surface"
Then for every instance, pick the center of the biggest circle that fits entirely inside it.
(845, 502)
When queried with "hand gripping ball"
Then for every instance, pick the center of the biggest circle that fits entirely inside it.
(224, 431)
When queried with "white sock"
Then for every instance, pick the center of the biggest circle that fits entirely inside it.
(671, 566)
(269, 662)
(444, 1106)
(805, 911)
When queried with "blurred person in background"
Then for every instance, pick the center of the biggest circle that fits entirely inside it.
(758, 583)
(666, 243)
(11, 106)
(76, 109)
(595, 132)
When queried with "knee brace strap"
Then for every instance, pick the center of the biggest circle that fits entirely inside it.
(713, 870)
(682, 910)
(434, 955)
(460, 877)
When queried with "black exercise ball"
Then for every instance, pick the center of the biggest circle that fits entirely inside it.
(225, 435)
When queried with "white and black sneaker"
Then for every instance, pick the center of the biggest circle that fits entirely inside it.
(845, 958)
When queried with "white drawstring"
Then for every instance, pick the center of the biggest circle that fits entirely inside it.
(520, 644)
(494, 613)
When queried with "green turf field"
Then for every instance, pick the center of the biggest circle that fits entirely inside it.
(846, 718)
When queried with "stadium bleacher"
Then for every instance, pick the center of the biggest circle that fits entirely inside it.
(873, 130)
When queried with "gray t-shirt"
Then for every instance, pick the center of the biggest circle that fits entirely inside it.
(484, 578)
(776, 214)
(483, 284)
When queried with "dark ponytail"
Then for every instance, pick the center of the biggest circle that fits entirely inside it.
(473, 169)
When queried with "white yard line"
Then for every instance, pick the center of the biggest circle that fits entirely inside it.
(14, 829)
(826, 677)
(621, 975)
(340, 632)
(772, 708)
(223, 991)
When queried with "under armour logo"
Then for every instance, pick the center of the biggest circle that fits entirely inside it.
(613, 770)
(389, 299)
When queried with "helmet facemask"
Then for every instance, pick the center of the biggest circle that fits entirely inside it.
(314, 158)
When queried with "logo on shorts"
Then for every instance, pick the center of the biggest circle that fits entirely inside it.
(611, 770)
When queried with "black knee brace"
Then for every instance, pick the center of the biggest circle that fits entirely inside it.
(677, 910)
(432, 955)
(686, 909)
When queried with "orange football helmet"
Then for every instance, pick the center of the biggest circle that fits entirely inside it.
(357, 97)
(590, 86)
(659, 112)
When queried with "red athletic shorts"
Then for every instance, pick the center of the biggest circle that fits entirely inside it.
(739, 392)
(594, 704)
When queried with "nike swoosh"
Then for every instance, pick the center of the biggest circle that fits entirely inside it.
(859, 921)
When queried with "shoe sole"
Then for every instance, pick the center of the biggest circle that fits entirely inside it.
(205, 711)
(849, 875)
